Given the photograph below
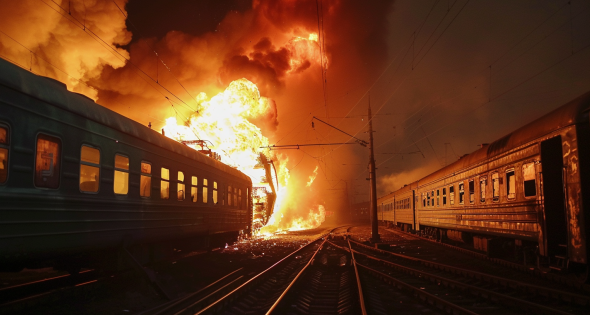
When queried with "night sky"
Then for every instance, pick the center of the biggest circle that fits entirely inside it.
(443, 77)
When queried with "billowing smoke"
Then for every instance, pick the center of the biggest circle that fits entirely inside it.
(279, 45)
(64, 39)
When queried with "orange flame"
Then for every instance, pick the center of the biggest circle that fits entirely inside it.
(225, 121)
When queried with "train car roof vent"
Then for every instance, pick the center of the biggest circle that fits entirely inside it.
(56, 82)
(86, 97)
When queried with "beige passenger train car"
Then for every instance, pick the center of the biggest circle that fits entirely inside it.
(524, 195)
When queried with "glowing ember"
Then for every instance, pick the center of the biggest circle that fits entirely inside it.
(228, 120)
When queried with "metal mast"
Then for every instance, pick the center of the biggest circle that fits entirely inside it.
(373, 200)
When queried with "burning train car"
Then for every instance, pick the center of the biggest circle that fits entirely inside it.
(78, 180)
(525, 195)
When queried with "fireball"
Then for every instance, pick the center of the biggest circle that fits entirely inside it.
(226, 122)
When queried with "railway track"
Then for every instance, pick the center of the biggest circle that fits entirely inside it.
(489, 293)
(235, 293)
(14, 299)
(556, 278)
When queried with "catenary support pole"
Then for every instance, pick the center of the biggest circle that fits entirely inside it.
(373, 200)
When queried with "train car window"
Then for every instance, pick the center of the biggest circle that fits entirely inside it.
(510, 184)
(530, 187)
(461, 193)
(483, 181)
(89, 169)
(444, 193)
(432, 195)
(194, 190)
(452, 195)
(428, 199)
(146, 179)
(47, 162)
(205, 190)
(471, 191)
(180, 186)
(121, 184)
(495, 187)
(229, 195)
(214, 192)
(438, 197)
(423, 200)
(236, 197)
(3, 154)
(240, 198)
(165, 184)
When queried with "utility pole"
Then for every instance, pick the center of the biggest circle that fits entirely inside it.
(373, 186)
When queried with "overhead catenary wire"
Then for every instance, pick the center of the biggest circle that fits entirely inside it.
(52, 65)
(491, 97)
(108, 46)
(498, 96)
(374, 83)
(155, 53)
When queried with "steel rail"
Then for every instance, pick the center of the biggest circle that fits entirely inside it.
(208, 296)
(238, 291)
(161, 309)
(276, 303)
(516, 302)
(358, 280)
(523, 268)
(522, 286)
(423, 295)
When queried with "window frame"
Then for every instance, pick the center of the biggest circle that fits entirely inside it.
(59, 163)
(205, 191)
(444, 196)
(482, 193)
(498, 179)
(195, 186)
(6, 146)
(90, 164)
(240, 199)
(438, 197)
(149, 175)
(162, 168)
(508, 170)
(115, 169)
(534, 180)
(215, 194)
(461, 193)
(452, 191)
(471, 182)
(178, 184)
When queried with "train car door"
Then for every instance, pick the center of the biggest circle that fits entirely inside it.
(414, 210)
(554, 198)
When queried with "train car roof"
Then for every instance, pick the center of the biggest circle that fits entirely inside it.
(573, 112)
(406, 188)
(56, 93)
